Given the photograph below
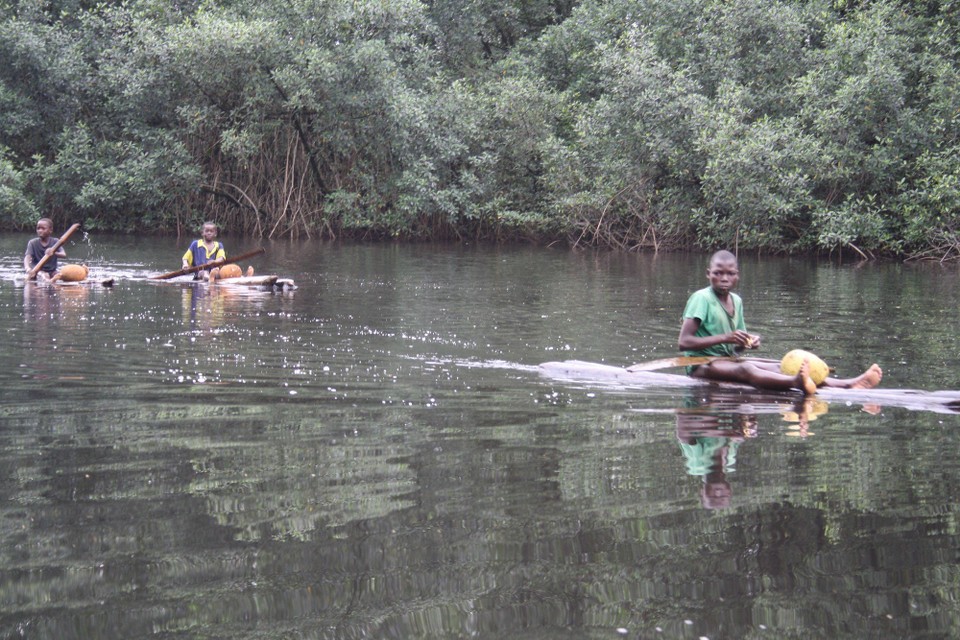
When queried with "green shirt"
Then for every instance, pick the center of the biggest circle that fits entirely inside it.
(706, 455)
(714, 320)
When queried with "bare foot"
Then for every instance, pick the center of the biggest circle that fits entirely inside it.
(869, 378)
(804, 381)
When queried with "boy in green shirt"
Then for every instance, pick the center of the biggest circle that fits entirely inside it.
(713, 325)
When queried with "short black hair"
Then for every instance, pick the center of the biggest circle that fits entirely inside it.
(723, 255)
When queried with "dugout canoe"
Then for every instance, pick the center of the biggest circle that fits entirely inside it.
(944, 401)
(103, 282)
(261, 282)
(275, 282)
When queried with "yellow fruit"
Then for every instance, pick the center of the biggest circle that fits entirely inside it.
(791, 362)
(73, 272)
(230, 271)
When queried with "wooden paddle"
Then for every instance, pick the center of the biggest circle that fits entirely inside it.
(36, 268)
(678, 361)
(684, 361)
(209, 265)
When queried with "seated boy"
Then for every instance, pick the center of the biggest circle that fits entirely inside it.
(713, 325)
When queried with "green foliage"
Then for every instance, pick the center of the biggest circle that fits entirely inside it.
(856, 100)
(757, 181)
(854, 223)
(104, 180)
(471, 33)
(758, 45)
(17, 209)
(931, 207)
(510, 134)
(780, 126)
(41, 85)
(630, 145)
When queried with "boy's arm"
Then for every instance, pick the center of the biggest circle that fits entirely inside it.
(753, 339)
(28, 257)
(690, 341)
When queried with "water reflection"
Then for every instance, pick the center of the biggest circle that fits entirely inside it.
(710, 450)
(56, 330)
(344, 472)
(202, 306)
(41, 303)
(712, 425)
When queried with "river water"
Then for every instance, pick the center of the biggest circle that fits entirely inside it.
(376, 454)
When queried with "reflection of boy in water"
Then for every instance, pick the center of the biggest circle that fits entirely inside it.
(709, 442)
(711, 458)
(203, 307)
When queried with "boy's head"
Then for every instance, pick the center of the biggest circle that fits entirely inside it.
(723, 272)
(209, 231)
(716, 492)
(44, 227)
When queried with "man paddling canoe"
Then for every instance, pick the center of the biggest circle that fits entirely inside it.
(713, 325)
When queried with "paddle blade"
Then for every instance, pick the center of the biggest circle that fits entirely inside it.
(667, 363)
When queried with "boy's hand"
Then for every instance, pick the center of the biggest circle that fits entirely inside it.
(744, 340)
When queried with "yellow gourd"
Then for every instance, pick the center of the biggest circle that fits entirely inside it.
(791, 362)
(73, 272)
(230, 271)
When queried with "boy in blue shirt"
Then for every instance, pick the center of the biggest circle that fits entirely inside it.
(206, 249)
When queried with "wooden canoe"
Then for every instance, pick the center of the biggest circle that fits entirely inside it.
(105, 282)
(247, 281)
(265, 282)
(946, 401)
(275, 282)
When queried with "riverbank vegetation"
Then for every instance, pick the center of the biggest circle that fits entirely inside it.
(767, 125)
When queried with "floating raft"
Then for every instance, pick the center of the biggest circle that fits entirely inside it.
(275, 282)
(107, 282)
(947, 401)
(263, 282)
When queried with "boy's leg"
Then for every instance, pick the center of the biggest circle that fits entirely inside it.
(763, 377)
(866, 380)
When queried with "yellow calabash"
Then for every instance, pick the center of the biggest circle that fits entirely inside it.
(73, 272)
(791, 362)
(230, 271)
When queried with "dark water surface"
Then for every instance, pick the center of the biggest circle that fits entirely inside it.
(375, 454)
